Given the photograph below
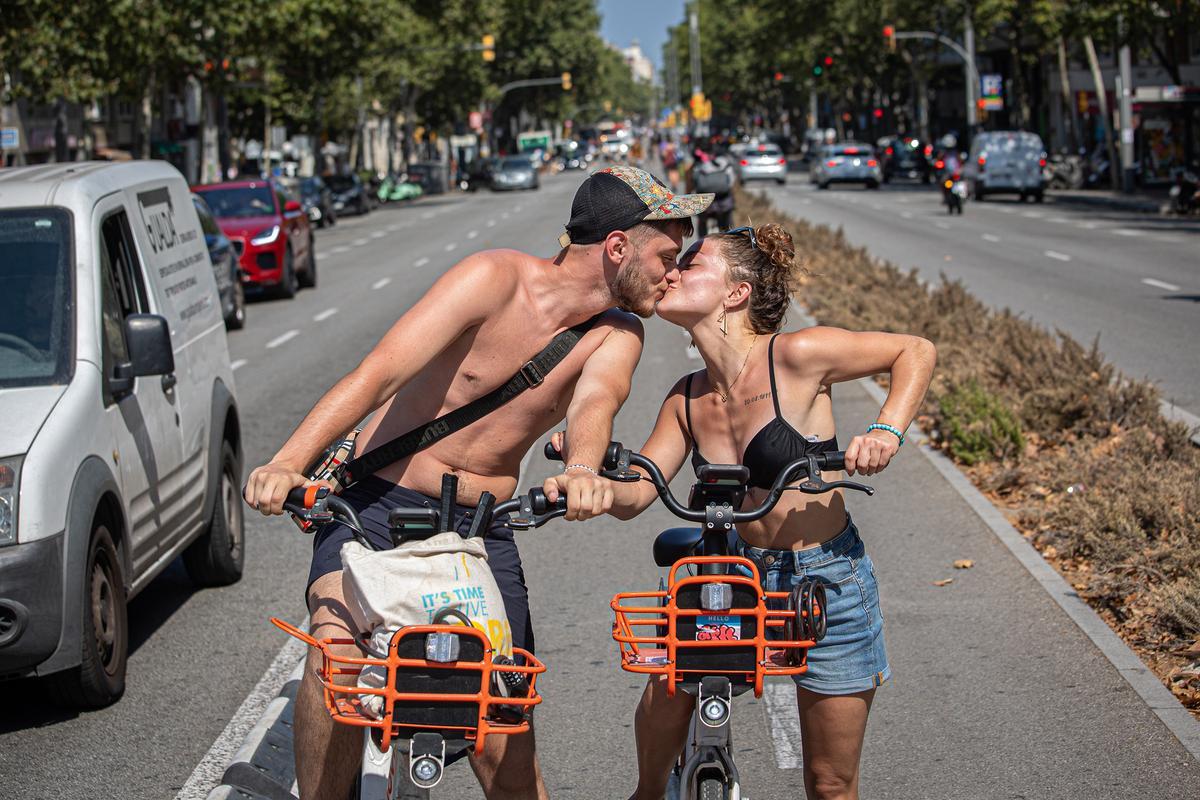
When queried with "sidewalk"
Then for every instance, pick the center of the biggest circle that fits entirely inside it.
(1142, 202)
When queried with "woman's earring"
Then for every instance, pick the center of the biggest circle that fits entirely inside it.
(723, 322)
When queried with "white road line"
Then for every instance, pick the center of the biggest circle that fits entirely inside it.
(991, 237)
(942, 225)
(1170, 287)
(236, 365)
(382, 282)
(393, 227)
(906, 214)
(340, 249)
(324, 315)
(1004, 210)
(451, 246)
(804, 201)
(491, 223)
(378, 234)
(504, 215)
(1126, 232)
(780, 704)
(282, 339)
(1058, 220)
(208, 772)
(359, 242)
(876, 207)
(420, 262)
(427, 215)
(1088, 226)
(1057, 256)
(472, 234)
(322, 253)
(1032, 214)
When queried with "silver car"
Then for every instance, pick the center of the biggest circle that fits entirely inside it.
(761, 162)
(514, 172)
(1006, 161)
(848, 162)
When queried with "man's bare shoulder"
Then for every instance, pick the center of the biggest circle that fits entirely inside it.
(622, 321)
(495, 268)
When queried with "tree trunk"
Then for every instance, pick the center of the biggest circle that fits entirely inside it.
(146, 119)
(1070, 112)
(1102, 100)
(60, 129)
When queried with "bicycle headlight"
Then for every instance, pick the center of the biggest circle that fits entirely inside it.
(10, 486)
(714, 711)
(266, 235)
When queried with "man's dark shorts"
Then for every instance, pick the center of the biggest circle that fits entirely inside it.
(374, 497)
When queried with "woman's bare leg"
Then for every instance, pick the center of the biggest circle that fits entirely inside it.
(661, 726)
(833, 727)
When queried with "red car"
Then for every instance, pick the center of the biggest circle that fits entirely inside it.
(270, 232)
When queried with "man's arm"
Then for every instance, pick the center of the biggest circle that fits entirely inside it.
(458, 301)
(601, 390)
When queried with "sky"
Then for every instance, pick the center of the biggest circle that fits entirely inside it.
(622, 21)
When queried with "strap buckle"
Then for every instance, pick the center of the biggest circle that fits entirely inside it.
(532, 375)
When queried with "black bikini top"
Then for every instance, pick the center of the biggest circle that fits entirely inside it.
(776, 444)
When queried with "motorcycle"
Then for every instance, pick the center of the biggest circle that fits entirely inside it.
(954, 192)
(1184, 197)
(395, 188)
(1063, 171)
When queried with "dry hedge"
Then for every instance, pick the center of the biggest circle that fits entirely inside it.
(1077, 453)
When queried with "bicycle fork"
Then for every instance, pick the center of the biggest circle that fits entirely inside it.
(709, 755)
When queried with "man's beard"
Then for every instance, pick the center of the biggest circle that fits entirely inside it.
(633, 291)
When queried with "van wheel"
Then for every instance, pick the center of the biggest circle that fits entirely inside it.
(237, 320)
(289, 284)
(99, 680)
(309, 279)
(217, 557)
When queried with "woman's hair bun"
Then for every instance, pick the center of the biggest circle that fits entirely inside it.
(776, 244)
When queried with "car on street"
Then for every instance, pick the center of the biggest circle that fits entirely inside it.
(477, 174)
(1006, 162)
(903, 157)
(317, 199)
(514, 172)
(350, 196)
(761, 162)
(846, 162)
(121, 446)
(270, 232)
(227, 269)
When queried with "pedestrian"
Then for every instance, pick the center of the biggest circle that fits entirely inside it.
(713, 175)
(670, 159)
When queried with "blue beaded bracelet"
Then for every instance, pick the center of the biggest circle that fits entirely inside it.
(880, 426)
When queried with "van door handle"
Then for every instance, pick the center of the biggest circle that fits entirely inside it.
(168, 382)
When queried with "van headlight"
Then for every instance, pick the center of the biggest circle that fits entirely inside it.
(10, 486)
(266, 235)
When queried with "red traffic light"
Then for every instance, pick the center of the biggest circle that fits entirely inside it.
(828, 61)
(778, 77)
(889, 31)
(878, 113)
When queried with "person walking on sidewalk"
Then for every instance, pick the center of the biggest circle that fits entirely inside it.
(764, 400)
(460, 341)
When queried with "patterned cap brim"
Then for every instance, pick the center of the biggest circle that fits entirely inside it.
(680, 206)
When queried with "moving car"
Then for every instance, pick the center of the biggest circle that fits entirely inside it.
(848, 162)
(761, 162)
(1006, 161)
(514, 172)
(349, 194)
(226, 269)
(270, 232)
(121, 447)
(903, 157)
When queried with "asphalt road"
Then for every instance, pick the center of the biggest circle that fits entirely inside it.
(996, 694)
(1132, 279)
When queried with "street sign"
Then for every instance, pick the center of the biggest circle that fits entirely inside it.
(10, 138)
(991, 92)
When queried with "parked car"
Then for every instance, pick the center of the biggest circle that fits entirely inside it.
(761, 162)
(903, 157)
(1006, 161)
(848, 162)
(514, 172)
(270, 231)
(226, 269)
(477, 174)
(317, 200)
(121, 446)
(349, 194)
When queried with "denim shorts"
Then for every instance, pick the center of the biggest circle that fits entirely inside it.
(851, 658)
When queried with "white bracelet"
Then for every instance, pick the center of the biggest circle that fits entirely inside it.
(580, 466)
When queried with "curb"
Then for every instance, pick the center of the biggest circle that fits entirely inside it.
(1107, 201)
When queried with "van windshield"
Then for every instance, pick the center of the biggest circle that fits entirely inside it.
(36, 303)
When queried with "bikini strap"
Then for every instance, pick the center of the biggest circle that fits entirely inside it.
(771, 370)
(687, 408)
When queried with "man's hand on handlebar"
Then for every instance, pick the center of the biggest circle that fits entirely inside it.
(871, 452)
(268, 486)
(587, 495)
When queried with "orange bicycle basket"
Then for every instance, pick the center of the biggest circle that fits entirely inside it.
(454, 698)
(687, 642)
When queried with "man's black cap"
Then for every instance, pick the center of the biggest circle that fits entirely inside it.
(618, 198)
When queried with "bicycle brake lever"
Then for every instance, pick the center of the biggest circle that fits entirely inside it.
(621, 471)
(826, 487)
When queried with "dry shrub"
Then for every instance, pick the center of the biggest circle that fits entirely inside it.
(1107, 489)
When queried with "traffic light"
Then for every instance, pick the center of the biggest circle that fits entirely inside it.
(566, 81)
(818, 70)
(889, 37)
(828, 61)
(822, 66)
(489, 47)
(778, 77)
(878, 113)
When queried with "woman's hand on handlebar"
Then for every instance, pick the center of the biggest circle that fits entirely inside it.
(871, 452)
(267, 487)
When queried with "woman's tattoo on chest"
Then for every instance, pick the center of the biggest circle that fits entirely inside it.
(756, 398)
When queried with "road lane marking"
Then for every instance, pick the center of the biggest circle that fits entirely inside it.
(282, 338)
(1059, 220)
(991, 237)
(1126, 232)
(322, 253)
(472, 234)
(1032, 214)
(235, 366)
(491, 223)
(393, 227)
(1170, 287)
(876, 206)
(341, 249)
(942, 225)
(324, 315)
(382, 282)
(378, 234)
(906, 214)
(1004, 210)
(780, 705)
(451, 246)
(1088, 226)
(359, 242)
(427, 215)
(1057, 255)
(420, 262)
(504, 215)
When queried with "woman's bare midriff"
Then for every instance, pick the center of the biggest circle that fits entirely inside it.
(796, 524)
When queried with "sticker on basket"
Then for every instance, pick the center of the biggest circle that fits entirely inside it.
(718, 627)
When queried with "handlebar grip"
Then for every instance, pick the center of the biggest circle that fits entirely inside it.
(541, 505)
(834, 461)
(551, 453)
(305, 496)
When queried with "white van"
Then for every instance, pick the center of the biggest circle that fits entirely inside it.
(120, 445)
(1006, 161)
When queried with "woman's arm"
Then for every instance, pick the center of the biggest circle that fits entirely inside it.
(834, 355)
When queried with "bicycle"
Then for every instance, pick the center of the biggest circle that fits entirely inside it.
(709, 627)
(445, 690)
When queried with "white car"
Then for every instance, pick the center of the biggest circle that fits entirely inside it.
(121, 445)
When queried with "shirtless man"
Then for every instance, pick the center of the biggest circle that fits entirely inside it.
(470, 332)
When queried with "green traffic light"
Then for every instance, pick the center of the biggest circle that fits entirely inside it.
(817, 70)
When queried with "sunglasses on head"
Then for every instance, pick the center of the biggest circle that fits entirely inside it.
(747, 229)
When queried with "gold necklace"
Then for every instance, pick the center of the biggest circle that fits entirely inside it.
(725, 395)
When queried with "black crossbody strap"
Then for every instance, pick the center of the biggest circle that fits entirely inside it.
(531, 374)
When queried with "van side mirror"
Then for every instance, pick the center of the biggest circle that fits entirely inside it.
(149, 340)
